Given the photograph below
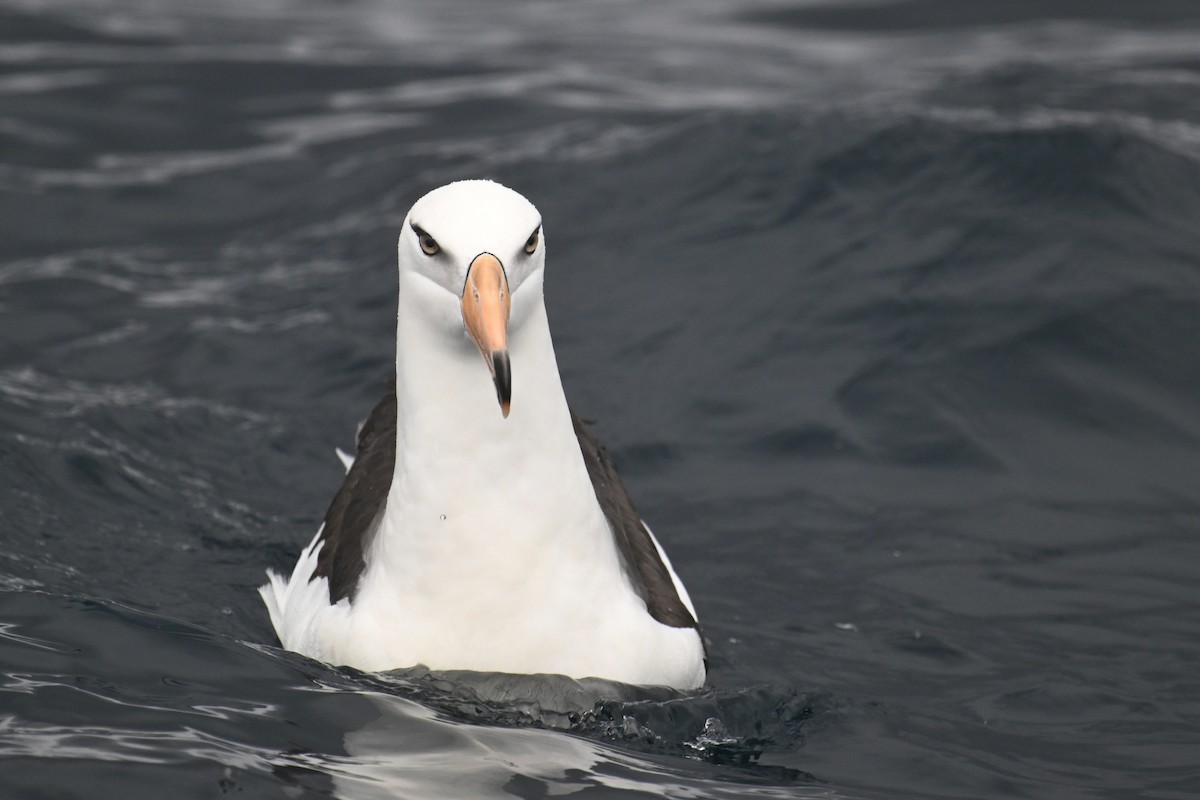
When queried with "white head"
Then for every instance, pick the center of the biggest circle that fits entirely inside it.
(481, 243)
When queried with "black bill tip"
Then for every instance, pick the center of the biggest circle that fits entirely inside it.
(502, 375)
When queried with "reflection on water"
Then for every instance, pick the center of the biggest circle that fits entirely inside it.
(395, 755)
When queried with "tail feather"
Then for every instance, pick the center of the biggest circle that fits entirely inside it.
(274, 595)
(290, 601)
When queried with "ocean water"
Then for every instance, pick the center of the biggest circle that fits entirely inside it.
(889, 312)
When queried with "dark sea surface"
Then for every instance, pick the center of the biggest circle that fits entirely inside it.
(889, 312)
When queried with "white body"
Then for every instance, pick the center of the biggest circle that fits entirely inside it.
(492, 553)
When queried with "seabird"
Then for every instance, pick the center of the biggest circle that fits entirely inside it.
(481, 526)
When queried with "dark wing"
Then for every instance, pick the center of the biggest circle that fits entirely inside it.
(354, 514)
(645, 569)
(356, 508)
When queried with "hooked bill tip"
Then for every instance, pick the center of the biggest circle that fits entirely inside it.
(502, 375)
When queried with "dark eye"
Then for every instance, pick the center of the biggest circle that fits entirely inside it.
(532, 242)
(429, 245)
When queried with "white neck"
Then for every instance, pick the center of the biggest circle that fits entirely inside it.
(466, 478)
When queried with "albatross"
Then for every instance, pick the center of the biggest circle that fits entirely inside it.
(481, 526)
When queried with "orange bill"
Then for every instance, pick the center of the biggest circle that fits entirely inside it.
(485, 307)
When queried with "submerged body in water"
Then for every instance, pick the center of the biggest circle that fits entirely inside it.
(476, 534)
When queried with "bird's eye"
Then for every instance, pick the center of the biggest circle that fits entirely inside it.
(532, 242)
(429, 245)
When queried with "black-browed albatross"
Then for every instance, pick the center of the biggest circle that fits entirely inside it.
(480, 525)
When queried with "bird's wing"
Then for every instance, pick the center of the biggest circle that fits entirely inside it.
(354, 514)
(653, 580)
